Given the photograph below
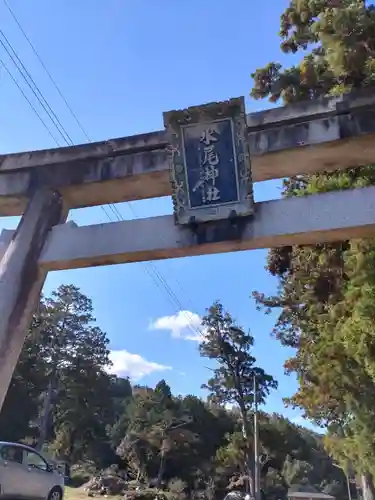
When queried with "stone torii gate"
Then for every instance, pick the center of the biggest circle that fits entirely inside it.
(205, 152)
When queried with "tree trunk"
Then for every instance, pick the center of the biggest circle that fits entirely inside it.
(67, 470)
(72, 442)
(45, 416)
(248, 457)
(368, 489)
(161, 469)
(52, 386)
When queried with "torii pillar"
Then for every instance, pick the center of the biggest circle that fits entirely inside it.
(21, 278)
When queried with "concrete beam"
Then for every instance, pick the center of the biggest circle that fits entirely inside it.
(329, 134)
(313, 219)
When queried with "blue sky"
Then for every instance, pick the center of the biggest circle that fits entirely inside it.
(120, 64)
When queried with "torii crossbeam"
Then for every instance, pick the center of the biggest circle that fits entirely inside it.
(325, 135)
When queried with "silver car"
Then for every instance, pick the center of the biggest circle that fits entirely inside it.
(25, 474)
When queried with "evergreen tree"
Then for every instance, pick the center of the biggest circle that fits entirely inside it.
(319, 287)
(21, 405)
(233, 380)
(74, 354)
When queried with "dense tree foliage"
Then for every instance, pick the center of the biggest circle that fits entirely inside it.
(185, 444)
(28, 384)
(236, 379)
(326, 293)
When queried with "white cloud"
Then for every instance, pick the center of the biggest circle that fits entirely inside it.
(133, 366)
(183, 325)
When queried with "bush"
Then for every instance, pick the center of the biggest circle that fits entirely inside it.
(177, 485)
(106, 483)
(78, 479)
(146, 494)
(177, 488)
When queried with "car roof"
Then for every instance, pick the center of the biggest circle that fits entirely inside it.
(18, 445)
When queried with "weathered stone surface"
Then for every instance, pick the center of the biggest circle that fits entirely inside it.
(332, 133)
(5, 238)
(112, 147)
(307, 220)
(21, 279)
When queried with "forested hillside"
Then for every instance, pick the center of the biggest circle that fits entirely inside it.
(63, 399)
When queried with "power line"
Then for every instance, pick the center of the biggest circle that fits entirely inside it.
(29, 102)
(154, 272)
(45, 105)
(46, 70)
(159, 280)
(113, 207)
(150, 268)
(176, 278)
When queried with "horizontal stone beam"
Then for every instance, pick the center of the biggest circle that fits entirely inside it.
(306, 220)
(328, 134)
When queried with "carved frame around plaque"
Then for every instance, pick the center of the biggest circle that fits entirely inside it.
(209, 160)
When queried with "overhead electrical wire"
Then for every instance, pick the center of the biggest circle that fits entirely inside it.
(34, 88)
(149, 267)
(46, 70)
(37, 93)
(29, 102)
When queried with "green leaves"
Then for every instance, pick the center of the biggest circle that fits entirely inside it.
(191, 445)
(236, 380)
(230, 347)
(325, 296)
(341, 37)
